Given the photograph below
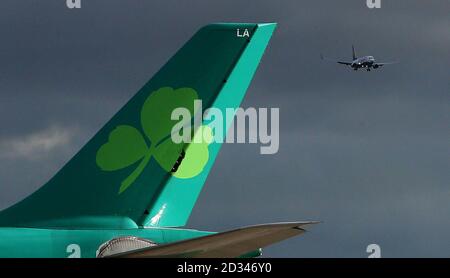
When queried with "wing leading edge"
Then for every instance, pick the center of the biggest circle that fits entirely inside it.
(383, 64)
(344, 63)
(228, 244)
(339, 62)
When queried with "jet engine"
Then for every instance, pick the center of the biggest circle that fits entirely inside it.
(123, 244)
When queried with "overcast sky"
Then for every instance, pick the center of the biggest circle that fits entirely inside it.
(366, 153)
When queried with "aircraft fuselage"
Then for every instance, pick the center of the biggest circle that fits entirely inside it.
(74, 243)
(364, 62)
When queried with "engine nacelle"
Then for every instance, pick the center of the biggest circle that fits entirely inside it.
(123, 244)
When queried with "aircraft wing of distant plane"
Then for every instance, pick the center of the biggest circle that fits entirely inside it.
(229, 244)
(382, 64)
(343, 63)
(339, 62)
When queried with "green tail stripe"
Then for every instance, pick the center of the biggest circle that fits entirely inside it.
(174, 204)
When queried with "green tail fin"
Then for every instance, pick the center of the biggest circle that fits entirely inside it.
(131, 173)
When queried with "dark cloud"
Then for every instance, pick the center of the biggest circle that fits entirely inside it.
(366, 153)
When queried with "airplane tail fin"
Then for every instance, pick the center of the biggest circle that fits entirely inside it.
(131, 173)
(354, 53)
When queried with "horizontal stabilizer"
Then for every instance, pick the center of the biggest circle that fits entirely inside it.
(229, 244)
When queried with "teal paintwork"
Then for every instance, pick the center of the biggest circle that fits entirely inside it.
(63, 243)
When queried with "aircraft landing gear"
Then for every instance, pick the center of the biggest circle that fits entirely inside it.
(368, 69)
(355, 68)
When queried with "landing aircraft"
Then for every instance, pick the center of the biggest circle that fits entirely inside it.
(129, 191)
(366, 62)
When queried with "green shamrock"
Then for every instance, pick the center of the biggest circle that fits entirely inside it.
(197, 154)
(126, 145)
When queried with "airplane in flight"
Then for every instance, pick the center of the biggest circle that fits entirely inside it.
(366, 62)
(130, 190)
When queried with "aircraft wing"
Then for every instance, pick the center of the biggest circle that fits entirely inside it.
(339, 62)
(229, 244)
(344, 63)
(382, 64)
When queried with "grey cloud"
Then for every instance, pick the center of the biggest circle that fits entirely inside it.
(35, 145)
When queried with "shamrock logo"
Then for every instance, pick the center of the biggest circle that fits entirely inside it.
(127, 145)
